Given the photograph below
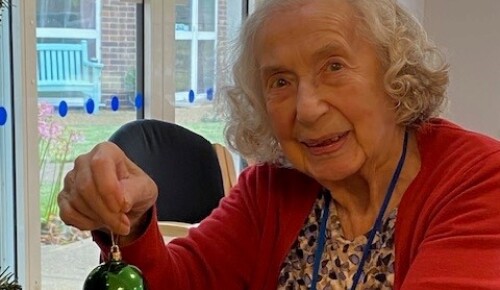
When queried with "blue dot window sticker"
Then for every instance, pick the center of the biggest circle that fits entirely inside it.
(191, 96)
(90, 106)
(115, 103)
(63, 109)
(139, 101)
(210, 94)
(3, 116)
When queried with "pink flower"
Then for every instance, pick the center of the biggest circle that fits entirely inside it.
(49, 130)
(76, 137)
(45, 110)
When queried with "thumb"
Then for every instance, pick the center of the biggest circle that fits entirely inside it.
(140, 190)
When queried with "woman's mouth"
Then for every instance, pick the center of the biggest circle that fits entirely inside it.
(326, 145)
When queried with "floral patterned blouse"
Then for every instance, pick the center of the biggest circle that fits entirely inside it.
(340, 257)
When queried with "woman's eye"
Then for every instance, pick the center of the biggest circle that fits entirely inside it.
(279, 83)
(334, 66)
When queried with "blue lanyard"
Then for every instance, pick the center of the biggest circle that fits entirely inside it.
(376, 227)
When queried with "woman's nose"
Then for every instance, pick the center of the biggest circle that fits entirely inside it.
(310, 104)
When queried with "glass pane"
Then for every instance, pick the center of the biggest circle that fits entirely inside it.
(7, 234)
(183, 15)
(182, 65)
(206, 15)
(66, 14)
(206, 67)
(217, 26)
(86, 81)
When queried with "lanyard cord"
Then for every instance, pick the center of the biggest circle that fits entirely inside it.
(321, 241)
(376, 227)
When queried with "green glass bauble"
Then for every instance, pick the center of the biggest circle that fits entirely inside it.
(115, 275)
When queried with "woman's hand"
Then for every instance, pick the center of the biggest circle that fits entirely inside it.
(107, 191)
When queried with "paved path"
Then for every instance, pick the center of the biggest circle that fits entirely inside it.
(65, 267)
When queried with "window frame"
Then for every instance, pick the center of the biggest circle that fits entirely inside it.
(25, 114)
(7, 204)
(159, 83)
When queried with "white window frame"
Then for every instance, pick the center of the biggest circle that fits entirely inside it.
(26, 144)
(7, 221)
(159, 78)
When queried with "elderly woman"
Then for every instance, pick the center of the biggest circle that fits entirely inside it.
(357, 184)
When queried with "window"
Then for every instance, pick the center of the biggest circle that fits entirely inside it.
(195, 35)
(203, 29)
(88, 60)
(107, 36)
(67, 14)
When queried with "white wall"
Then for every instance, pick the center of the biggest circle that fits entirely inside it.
(416, 7)
(469, 30)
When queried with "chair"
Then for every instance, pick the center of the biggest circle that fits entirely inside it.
(226, 164)
(184, 166)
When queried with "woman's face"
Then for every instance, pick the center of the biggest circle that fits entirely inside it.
(324, 93)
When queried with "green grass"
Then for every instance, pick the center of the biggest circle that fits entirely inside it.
(44, 194)
(212, 131)
(45, 188)
(96, 133)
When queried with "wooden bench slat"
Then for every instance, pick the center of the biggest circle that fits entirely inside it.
(42, 66)
(62, 68)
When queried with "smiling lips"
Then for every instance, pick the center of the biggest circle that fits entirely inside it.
(326, 145)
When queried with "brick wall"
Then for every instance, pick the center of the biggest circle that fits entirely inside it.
(118, 48)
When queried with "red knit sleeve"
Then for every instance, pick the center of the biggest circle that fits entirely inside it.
(461, 247)
(220, 251)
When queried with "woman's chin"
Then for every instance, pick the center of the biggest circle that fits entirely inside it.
(331, 172)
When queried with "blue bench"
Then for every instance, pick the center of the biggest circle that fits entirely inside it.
(64, 72)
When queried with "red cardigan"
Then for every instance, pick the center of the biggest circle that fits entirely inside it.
(447, 229)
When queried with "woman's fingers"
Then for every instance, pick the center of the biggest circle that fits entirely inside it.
(72, 214)
(95, 205)
(106, 164)
(106, 190)
(81, 210)
(92, 196)
(74, 217)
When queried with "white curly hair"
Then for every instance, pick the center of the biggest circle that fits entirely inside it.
(416, 74)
